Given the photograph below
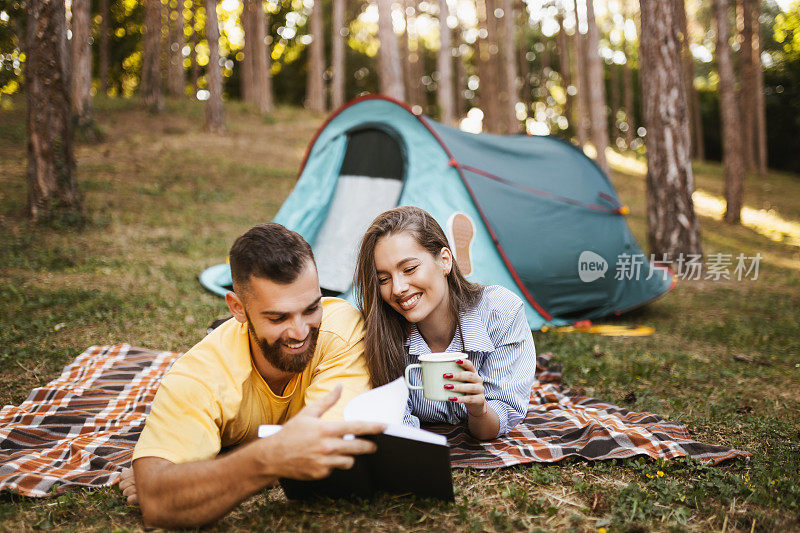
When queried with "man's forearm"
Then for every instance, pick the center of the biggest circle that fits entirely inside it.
(197, 493)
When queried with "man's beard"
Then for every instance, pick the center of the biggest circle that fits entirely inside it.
(274, 355)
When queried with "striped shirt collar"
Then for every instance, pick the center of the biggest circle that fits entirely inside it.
(476, 338)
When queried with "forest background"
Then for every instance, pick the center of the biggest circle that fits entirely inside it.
(546, 60)
(159, 197)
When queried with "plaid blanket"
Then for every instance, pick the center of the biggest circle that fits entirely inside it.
(560, 425)
(80, 429)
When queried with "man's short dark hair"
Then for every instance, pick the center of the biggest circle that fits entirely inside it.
(269, 251)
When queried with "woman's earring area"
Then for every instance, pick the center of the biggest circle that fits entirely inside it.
(447, 261)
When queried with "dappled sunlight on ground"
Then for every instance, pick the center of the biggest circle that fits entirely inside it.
(767, 222)
(625, 163)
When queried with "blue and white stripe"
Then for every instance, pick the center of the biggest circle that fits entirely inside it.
(499, 343)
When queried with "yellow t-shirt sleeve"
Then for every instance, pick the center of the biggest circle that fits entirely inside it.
(183, 424)
(343, 364)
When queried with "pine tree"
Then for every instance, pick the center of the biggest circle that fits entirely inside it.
(215, 120)
(151, 56)
(732, 159)
(52, 186)
(672, 223)
(338, 36)
(81, 63)
(444, 65)
(390, 74)
(315, 85)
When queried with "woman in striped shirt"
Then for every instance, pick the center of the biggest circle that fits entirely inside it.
(416, 301)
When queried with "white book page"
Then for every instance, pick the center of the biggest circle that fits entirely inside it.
(385, 404)
(412, 433)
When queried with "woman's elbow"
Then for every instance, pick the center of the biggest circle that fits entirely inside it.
(484, 436)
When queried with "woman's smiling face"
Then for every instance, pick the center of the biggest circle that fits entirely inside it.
(411, 280)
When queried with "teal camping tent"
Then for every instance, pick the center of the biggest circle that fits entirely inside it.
(533, 214)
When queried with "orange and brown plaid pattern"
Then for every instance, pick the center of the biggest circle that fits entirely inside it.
(560, 425)
(80, 429)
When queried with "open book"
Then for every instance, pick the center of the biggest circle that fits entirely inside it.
(408, 460)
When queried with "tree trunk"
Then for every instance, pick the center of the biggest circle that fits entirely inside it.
(104, 46)
(266, 102)
(687, 73)
(255, 65)
(752, 90)
(732, 160)
(215, 121)
(697, 122)
(52, 186)
(510, 68)
(614, 82)
(461, 78)
(761, 115)
(545, 59)
(404, 49)
(490, 97)
(248, 65)
(151, 56)
(563, 62)
(444, 65)
(747, 76)
(81, 63)
(523, 68)
(414, 66)
(693, 98)
(581, 100)
(193, 40)
(176, 80)
(315, 85)
(627, 86)
(390, 74)
(597, 90)
(673, 230)
(338, 35)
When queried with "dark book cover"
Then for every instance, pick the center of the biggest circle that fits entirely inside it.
(400, 466)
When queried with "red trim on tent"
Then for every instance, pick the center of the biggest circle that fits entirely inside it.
(539, 192)
(503, 256)
(340, 111)
(521, 286)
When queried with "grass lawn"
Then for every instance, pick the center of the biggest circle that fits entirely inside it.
(165, 200)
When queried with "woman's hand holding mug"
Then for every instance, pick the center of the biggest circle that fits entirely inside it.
(450, 377)
(471, 385)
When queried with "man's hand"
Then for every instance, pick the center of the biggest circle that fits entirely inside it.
(196, 493)
(309, 448)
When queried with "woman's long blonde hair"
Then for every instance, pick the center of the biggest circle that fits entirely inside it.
(386, 329)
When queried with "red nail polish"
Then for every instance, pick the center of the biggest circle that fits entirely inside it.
(448, 386)
(459, 361)
(447, 375)
(452, 398)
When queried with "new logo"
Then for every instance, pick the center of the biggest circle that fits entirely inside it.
(591, 266)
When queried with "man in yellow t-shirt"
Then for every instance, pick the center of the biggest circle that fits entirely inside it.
(288, 356)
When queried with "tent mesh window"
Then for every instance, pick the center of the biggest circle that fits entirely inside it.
(370, 182)
(375, 153)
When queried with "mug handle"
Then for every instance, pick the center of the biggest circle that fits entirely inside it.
(408, 381)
